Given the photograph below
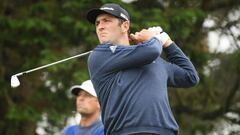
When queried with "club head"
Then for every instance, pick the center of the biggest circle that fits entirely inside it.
(14, 81)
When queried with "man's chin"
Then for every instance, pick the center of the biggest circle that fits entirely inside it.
(105, 41)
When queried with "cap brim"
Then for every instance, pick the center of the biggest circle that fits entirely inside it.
(92, 15)
(75, 90)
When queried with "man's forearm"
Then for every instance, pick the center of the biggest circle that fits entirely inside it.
(182, 72)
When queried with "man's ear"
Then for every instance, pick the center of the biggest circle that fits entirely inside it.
(125, 26)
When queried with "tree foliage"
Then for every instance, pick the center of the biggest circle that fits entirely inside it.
(35, 33)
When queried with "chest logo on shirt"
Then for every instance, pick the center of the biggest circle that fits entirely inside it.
(113, 48)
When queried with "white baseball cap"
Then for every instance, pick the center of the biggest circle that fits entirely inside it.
(86, 86)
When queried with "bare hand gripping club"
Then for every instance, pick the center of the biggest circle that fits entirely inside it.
(14, 78)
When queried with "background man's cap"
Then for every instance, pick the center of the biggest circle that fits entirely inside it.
(110, 8)
(86, 86)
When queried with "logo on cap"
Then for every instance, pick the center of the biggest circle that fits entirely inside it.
(124, 16)
(106, 8)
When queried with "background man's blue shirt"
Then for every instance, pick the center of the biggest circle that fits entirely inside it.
(95, 129)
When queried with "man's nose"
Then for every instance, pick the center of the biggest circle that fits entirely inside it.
(100, 26)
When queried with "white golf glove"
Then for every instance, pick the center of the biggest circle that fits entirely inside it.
(163, 37)
(157, 29)
(160, 35)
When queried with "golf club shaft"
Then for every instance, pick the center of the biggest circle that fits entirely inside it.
(54, 63)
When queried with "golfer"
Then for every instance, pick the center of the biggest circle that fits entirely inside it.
(131, 80)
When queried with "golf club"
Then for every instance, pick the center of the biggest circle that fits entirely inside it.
(14, 78)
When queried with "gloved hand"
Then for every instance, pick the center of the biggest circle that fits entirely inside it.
(157, 29)
(160, 35)
(163, 37)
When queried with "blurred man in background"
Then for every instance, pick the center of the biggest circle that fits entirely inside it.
(88, 106)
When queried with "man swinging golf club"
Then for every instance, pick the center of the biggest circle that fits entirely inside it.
(131, 80)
